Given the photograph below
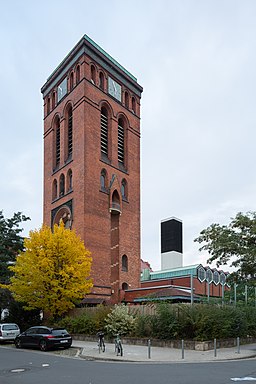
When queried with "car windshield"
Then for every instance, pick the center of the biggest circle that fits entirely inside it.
(10, 327)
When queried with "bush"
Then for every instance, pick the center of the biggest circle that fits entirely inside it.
(119, 321)
(170, 321)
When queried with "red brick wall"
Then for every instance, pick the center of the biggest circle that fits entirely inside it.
(91, 216)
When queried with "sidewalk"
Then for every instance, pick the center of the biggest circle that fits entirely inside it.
(136, 353)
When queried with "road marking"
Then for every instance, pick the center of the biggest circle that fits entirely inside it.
(45, 365)
(18, 370)
(243, 378)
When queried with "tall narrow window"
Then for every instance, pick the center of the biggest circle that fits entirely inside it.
(104, 131)
(69, 181)
(70, 133)
(71, 81)
(124, 189)
(48, 105)
(62, 185)
(93, 74)
(77, 74)
(124, 263)
(126, 99)
(57, 143)
(53, 100)
(120, 141)
(101, 81)
(103, 176)
(133, 105)
(54, 189)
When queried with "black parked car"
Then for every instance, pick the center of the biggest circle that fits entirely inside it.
(44, 338)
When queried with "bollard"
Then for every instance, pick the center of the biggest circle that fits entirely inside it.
(238, 344)
(215, 348)
(182, 349)
(149, 349)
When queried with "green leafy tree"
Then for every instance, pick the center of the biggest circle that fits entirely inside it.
(11, 243)
(119, 321)
(52, 273)
(234, 243)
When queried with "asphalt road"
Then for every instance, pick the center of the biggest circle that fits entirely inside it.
(35, 367)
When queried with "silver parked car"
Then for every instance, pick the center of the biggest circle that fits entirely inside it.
(8, 331)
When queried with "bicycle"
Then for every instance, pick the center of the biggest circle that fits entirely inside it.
(101, 343)
(118, 346)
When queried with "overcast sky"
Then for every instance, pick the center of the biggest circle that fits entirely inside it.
(196, 60)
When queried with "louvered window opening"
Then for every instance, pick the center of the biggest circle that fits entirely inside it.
(70, 134)
(120, 144)
(57, 146)
(104, 134)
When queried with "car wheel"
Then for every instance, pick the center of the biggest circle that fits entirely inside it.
(17, 343)
(43, 345)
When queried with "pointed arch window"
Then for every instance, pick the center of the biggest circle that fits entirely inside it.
(104, 131)
(124, 263)
(120, 146)
(62, 185)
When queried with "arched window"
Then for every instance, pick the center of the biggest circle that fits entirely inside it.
(115, 207)
(104, 131)
(124, 189)
(124, 263)
(65, 215)
(125, 286)
(54, 189)
(77, 74)
(53, 100)
(70, 134)
(103, 181)
(93, 74)
(133, 105)
(62, 185)
(71, 80)
(69, 181)
(120, 146)
(57, 143)
(48, 105)
(126, 99)
(101, 78)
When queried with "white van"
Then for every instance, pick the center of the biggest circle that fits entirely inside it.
(8, 331)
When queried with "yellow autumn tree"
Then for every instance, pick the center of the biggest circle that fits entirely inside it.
(53, 273)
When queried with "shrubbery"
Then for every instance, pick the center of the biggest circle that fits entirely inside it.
(170, 321)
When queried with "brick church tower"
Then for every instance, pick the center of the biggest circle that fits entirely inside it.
(92, 163)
